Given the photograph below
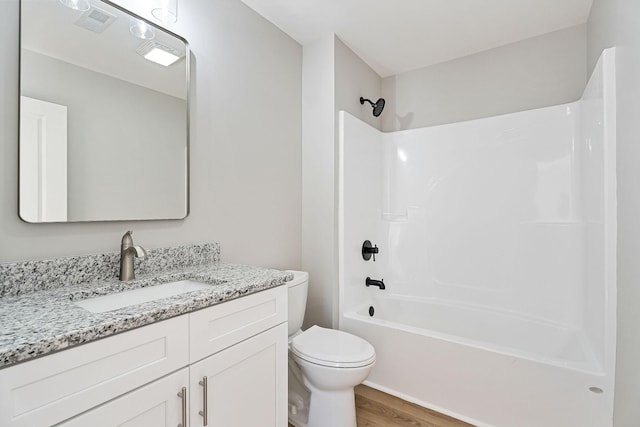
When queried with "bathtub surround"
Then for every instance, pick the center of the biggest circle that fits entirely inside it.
(39, 317)
(497, 244)
(616, 23)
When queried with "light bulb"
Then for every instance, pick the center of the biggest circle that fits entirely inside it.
(165, 10)
(141, 29)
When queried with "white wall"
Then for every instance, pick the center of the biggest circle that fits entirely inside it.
(245, 145)
(353, 79)
(533, 73)
(617, 23)
(334, 79)
(318, 158)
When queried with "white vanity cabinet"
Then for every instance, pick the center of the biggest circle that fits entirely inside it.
(135, 378)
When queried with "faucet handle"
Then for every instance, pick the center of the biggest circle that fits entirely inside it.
(368, 250)
(140, 251)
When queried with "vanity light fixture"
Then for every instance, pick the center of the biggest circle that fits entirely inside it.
(165, 10)
(159, 53)
(80, 5)
(141, 29)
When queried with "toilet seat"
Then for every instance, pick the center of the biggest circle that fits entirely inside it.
(332, 348)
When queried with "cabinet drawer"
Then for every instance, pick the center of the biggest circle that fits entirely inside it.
(221, 326)
(51, 389)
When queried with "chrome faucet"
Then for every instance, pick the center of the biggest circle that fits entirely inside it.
(128, 251)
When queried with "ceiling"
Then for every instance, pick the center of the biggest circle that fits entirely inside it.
(394, 36)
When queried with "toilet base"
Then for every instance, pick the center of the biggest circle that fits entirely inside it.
(335, 408)
(299, 396)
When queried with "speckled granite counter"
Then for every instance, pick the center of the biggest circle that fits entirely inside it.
(40, 322)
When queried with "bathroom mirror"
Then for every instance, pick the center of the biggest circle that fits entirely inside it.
(104, 123)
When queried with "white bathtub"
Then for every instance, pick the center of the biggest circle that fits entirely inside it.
(501, 332)
(503, 233)
(464, 361)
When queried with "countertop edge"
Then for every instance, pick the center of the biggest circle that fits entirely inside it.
(118, 321)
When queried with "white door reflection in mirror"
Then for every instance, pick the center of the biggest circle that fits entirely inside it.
(43, 161)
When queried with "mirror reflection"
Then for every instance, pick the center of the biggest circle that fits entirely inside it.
(103, 115)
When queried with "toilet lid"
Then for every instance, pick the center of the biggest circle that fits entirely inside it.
(330, 347)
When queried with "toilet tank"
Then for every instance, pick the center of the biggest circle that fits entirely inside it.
(297, 299)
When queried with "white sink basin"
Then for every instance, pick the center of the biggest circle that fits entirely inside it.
(118, 300)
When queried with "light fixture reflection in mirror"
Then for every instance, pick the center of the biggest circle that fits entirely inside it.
(159, 53)
(140, 29)
(165, 10)
(80, 5)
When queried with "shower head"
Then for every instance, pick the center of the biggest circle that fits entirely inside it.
(377, 107)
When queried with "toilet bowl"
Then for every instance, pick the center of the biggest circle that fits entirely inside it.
(324, 367)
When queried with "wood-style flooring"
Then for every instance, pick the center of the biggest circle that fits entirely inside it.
(377, 409)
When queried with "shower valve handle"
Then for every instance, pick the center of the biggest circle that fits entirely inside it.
(368, 250)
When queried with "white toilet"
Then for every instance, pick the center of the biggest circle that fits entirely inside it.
(324, 367)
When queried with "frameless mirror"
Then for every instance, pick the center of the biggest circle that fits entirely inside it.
(103, 115)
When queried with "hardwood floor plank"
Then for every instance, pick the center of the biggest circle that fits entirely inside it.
(391, 416)
(365, 418)
(386, 403)
(395, 409)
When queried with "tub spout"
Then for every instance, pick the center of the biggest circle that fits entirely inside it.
(373, 282)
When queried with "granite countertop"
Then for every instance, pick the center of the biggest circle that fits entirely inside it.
(45, 321)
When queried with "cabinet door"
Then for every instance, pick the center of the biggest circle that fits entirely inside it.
(154, 405)
(246, 383)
